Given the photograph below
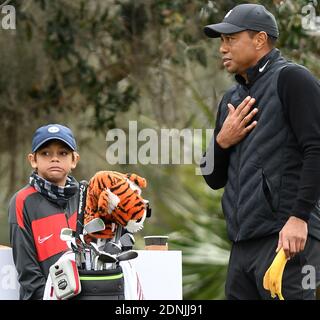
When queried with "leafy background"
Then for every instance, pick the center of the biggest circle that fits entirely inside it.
(95, 65)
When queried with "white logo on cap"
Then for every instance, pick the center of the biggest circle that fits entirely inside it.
(53, 129)
(228, 14)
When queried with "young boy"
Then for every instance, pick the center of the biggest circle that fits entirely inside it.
(39, 211)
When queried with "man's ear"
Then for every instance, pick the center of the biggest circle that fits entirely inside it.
(33, 160)
(261, 39)
(75, 159)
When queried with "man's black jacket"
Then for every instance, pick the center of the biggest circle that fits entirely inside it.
(274, 172)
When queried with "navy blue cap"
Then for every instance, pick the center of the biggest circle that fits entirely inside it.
(53, 132)
(244, 17)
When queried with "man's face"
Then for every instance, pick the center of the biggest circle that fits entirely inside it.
(54, 162)
(238, 52)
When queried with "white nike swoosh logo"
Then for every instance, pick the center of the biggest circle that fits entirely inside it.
(42, 240)
(262, 68)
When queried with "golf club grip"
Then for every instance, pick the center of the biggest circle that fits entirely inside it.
(83, 185)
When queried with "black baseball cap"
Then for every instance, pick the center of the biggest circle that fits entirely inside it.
(244, 17)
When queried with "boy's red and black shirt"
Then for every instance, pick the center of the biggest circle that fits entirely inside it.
(35, 224)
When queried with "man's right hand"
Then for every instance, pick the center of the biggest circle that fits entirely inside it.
(237, 124)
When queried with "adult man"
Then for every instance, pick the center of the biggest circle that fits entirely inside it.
(266, 151)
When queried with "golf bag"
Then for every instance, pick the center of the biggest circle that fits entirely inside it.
(97, 284)
(101, 285)
(118, 281)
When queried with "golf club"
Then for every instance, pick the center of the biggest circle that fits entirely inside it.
(94, 225)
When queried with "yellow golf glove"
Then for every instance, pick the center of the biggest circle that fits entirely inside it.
(272, 279)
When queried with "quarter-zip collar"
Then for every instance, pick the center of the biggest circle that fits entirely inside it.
(255, 72)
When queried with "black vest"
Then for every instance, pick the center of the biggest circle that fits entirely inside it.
(264, 168)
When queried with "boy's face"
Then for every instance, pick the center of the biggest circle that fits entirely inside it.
(54, 161)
